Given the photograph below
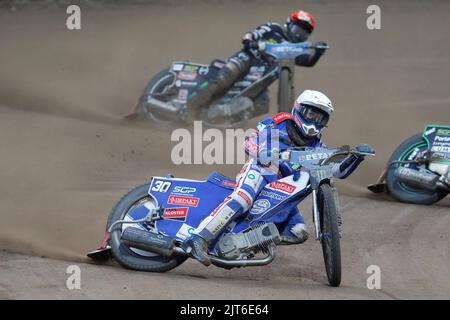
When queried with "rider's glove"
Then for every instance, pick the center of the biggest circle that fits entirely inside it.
(285, 155)
(321, 47)
(250, 44)
(267, 157)
(365, 148)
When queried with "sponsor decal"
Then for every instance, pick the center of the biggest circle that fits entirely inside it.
(280, 117)
(216, 225)
(203, 71)
(314, 156)
(441, 142)
(184, 201)
(273, 195)
(441, 149)
(245, 197)
(177, 67)
(188, 83)
(187, 75)
(190, 68)
(282, 186)
(220, 206)
(289, 49)
(441, 139)
(161, 186)
(251, 176)
(185, 231)
(443, 131)
(183, 190)
(183, 94)
(179, 83)
(228, 183)
(430, 131)
(175, 213)
(260, 206)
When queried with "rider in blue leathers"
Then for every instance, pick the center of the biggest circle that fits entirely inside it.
(299, 26)
(265, 147)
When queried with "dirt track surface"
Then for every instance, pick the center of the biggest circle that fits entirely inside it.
(408, 243)
(67, 154)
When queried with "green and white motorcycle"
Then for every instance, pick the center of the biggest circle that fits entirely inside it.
(419, 169)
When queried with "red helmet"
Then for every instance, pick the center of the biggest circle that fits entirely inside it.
(299, 25)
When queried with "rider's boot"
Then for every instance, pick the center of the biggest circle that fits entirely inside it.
(238, 202)
(198, 248)
(295, 235)
(213, 225)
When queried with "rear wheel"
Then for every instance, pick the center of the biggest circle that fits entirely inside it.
(330, 238)
(159, 85)
(133, 258)
(408, 151)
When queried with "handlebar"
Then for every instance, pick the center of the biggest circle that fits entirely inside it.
(261, 45)
(319, 156)
(345, 153)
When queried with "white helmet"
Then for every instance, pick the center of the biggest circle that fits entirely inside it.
(311, 112)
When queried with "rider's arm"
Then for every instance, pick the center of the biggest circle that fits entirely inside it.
(260, 145)
(310, 59)
(251, 146)
(344, 168)
(262, 32)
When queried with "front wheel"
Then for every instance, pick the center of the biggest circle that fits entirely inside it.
(133, 258)
(330, 238)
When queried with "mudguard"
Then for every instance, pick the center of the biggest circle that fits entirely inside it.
(185, 202)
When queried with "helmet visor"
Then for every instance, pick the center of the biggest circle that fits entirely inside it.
(313, 115)
(297, 33)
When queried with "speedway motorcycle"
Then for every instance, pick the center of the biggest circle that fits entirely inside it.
(147, 227)
(165, 97)
(418, 170)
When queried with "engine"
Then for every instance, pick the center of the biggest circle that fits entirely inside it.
(257, 239)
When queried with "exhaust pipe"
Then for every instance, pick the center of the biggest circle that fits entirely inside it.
(161, 107)
(228, 264)
(420, 179)
(236, 106)
(165, 246)
(147, 241)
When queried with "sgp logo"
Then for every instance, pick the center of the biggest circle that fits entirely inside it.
(184, 190)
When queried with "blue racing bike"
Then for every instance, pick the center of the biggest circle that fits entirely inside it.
(147, 226)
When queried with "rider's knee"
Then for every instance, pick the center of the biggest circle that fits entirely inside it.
(243, 198)
(252, 181)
